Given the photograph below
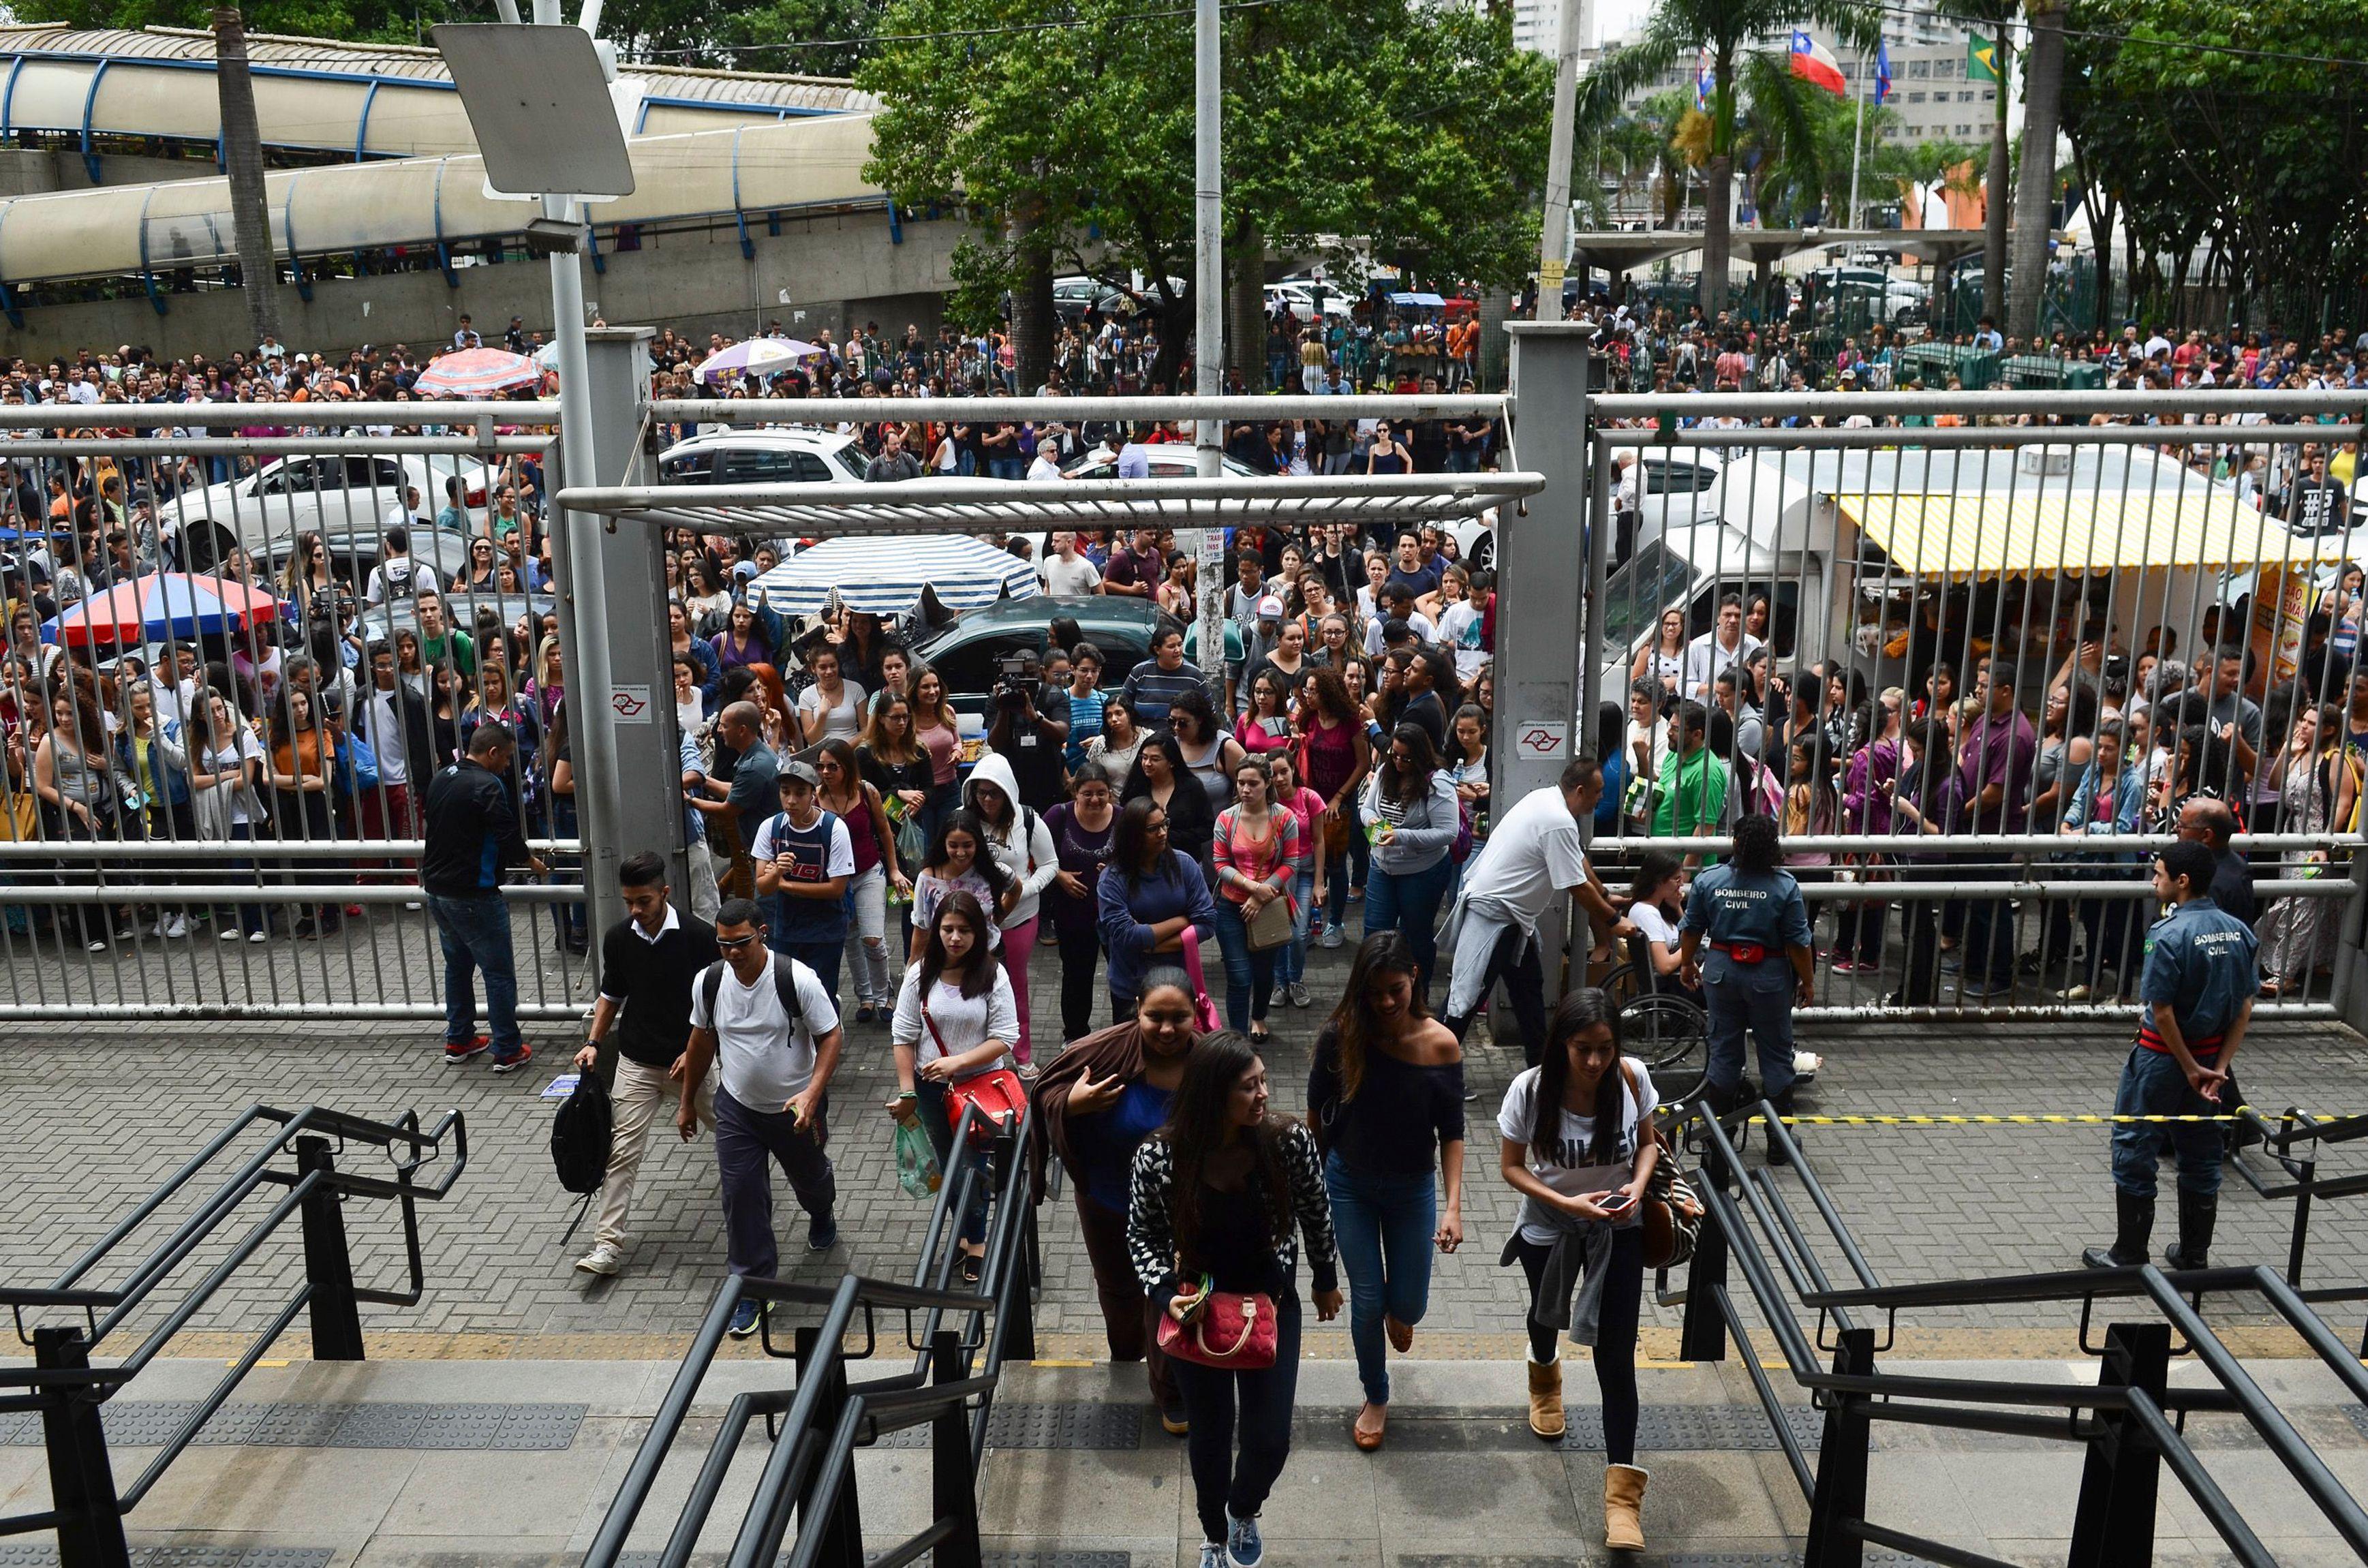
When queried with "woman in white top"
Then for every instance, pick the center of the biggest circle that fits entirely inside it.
(1658, 902)
(225, 759)
(1577, 1142)
(1664, 659)
(955, 1019)
(832, 708)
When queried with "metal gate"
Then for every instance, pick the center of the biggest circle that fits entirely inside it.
(180, 576)
(1821, 590)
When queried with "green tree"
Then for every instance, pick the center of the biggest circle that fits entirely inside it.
(2034, 193)
(1731, 31)
(1409, 132)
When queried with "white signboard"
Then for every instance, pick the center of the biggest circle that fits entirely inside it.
(631, 705)
(1538, 739)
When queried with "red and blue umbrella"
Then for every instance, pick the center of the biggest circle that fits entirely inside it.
(474, 374)
(160, 607)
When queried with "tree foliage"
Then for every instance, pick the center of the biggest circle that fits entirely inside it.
(1406, 130)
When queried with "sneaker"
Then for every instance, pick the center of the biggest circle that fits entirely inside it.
(1950, 963)
(97, 944)
(259, 938)
(1212, 1554)
(1844, 966)
(1331, 935)
(744, 1317)
(2078, 993)
(1173, 1422)
(603, 1260)
(1974, 991)
(156, 930)
(229, 933)
(1243, 1547)
(512, 1063)
(1298, 994)
(461, 1052)
(822, 1235)
(178, 928)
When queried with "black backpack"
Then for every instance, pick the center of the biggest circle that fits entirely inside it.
(785, 989)
(580, 1134)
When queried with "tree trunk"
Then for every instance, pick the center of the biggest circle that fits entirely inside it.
(242, 138)
(2101, 235)
(1033, 320)
(1718, 191)
(1175, 321)
(1995, 199)
(2043, 100)
(1496, 346)
(1245, 309)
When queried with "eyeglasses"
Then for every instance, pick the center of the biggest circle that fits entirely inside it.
(733, 944)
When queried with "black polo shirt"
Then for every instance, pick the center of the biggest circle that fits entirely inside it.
(651, 981)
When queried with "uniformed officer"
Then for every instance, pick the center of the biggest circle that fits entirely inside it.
(1751, 912)
(2196, 992)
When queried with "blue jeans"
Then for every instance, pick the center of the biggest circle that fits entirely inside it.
(1249, 974)
(823, 958)
(1290, 960)
(1409, 902)
(1383, 1225)
(475, 934)
(929, 1101)
(1355, 868)
(2152, 1085)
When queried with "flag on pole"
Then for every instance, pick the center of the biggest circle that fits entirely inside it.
(1814, 64)
(1705, 80)
(1981, 58)
(1882, 72)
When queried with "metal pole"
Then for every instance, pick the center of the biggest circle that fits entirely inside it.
(328, 1262)
(82, 1481)
(1553, 233)
(1858, 140)
(1209, 317)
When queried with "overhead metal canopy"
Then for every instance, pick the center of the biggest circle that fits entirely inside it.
(988, 506)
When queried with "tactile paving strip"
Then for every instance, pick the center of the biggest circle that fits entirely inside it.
(1074, 1424)
(151, 1424)
(1689, 1429)
(992, 1560)
(25, 1555)
(2359, 1414)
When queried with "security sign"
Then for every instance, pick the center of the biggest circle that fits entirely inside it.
(631, 704)
(1540, 739)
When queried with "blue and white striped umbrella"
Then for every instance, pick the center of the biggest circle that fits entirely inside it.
(884, 575)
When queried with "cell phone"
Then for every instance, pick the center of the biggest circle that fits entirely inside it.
(1618, 1203)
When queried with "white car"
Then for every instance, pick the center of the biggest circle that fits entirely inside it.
(1299, 299)
(1671, 480)
(346, 494)
(785, 456)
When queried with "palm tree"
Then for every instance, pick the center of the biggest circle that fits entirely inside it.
(2042, 103)
(1999, 15)
(258, 274)
(1731, 30)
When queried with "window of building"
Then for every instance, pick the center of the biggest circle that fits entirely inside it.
(1989, 94)
(1964, 131)
(1918, 68)
(1915, 98)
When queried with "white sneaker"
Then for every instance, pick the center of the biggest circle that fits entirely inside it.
(228, 934)
(603, 1259)
(1331, 935)
(1298, 994)
(177, 927)
(258, 937)
(156, 930)
(97, 944)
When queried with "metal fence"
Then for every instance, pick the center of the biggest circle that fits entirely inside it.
(208, 807)
(1815, 603)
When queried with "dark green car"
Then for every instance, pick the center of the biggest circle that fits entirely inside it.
(964, 653)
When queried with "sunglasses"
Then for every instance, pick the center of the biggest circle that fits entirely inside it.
(734, 943)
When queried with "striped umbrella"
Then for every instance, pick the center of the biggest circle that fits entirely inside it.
(884, 576)
(477, 373)
(758, 357)
(161, 606)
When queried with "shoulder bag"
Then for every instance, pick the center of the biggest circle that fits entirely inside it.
(998, 1093)
(1672, 1215)
(1204, 1011)
(1233, 1330)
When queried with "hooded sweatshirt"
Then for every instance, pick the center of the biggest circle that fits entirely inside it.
(1024, 848)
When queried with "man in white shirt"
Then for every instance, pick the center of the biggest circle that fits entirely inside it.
(405, 514)
(1718, 649)
(766, 1022)
(1066, 572)
(1533, 856)
(397, 576)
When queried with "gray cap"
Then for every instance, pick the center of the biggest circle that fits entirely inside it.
(804, 772)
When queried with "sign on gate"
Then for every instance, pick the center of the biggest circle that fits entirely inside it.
(633, 705)
(1540, 740)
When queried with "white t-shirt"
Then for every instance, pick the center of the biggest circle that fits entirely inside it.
(244, 748)
(843, 723)
(1458, 628)
(1656, 926)
(764, 1063)
(1418, 623)
(1532, 852)
(841, 862)
(1705, 657)
(399, 578)
(1566, 1169)
(1078, 576)
(963, 1023)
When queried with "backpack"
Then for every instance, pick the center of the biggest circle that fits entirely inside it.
(580, 1134)
(785, 987)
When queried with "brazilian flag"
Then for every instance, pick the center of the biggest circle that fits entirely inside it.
(1981, 59)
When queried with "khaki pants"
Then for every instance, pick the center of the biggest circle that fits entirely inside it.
(642, 1100)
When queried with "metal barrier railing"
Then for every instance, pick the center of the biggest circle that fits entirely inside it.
(810, 1467)
(87, 1510)
(2296, 1141)
(2134, 1421)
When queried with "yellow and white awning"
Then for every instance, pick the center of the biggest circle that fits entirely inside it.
(1983, 533)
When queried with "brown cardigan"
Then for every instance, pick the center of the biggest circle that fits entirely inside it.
(1116, 1052)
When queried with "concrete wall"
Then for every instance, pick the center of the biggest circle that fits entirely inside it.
(815, 273)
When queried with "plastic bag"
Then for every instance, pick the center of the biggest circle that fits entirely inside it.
(916, 1163)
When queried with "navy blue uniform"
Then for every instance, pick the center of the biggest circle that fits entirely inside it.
(1748, 919)
(2199, 962)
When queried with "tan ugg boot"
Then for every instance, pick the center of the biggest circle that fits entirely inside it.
(1623, 1507)
(1545, 1399)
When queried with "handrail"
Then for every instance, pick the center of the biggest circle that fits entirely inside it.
(2126, 1427)
(809, 1468)
(2298, 1142)
(69, 1392)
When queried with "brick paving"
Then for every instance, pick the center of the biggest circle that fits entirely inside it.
(99, 1113)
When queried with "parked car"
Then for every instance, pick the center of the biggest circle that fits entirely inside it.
(781, 456)
(1166, 459)
(353, 552)
(964, 653)
(1666, 492)
(349, 492)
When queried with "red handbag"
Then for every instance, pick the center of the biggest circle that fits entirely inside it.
(998, 1094)
(1234, 1331)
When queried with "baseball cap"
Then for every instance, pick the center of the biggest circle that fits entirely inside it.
(804, 772)
(1269, 609)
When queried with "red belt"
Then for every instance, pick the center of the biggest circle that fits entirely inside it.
(1743, 952)
(2152, 1040)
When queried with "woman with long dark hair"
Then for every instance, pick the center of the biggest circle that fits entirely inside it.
(846, 793)
(1084, 829)
(1161, 776)
(1215, 1197)
(1151, 901)
(955, 1019)
(1923, 801)
(1577, 1141)
(1385, 1101)
(960, 860)
(1412, 805)
(1096, 1104)
(1335, 757)
(1257, 842)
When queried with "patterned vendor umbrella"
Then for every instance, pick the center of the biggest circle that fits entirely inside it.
(886, 575)
(477, 373)
(758, 356)
(161, 606)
